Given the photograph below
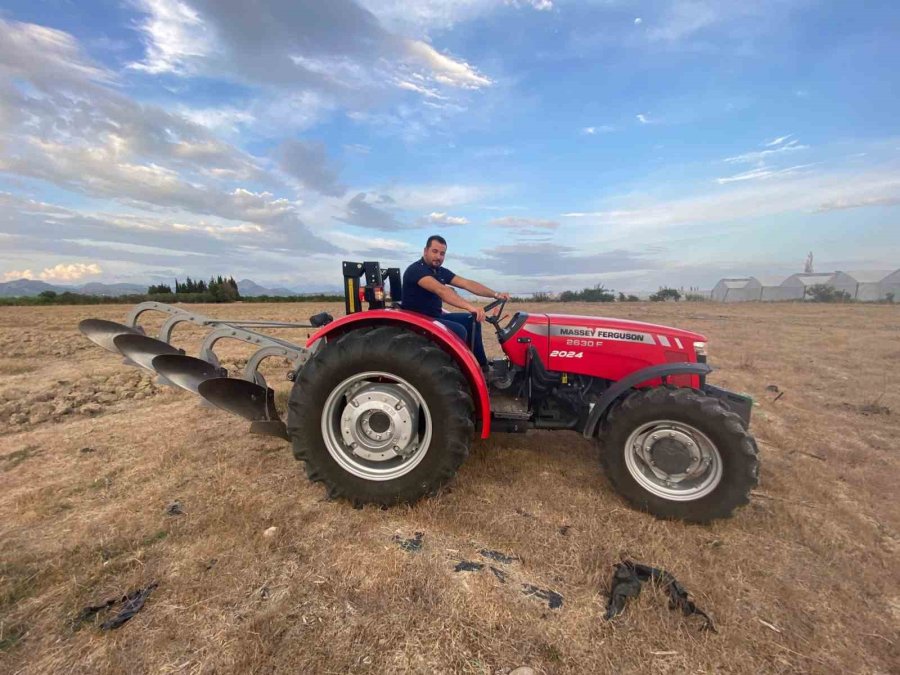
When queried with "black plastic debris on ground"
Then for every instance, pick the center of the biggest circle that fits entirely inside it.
(86, 450)
(626, 583)
(564, 530)
(132, 603)
(554, 599)
(174, 509)
(468, 566)
(410, 545)
(496, 556)
(500, 574)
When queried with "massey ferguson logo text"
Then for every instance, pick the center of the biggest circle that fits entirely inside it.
(601, 333)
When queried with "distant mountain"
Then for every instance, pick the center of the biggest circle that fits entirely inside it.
(32, 287)
(251, 289)
(26, 287)
(96, 288)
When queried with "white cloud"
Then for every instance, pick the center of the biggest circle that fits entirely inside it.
(440, 197)
(44, 55)
(357, 244)
(72, 130)
(762, 155)
(419, 89)
(601, 129)
(61, 272)
(176, 35)
(539, 5)
(798, 193)
(342, 54)
(447, 70)
(777, 141)
(638, 21)
(549, 261)
(437, 15)
(221, 120)
(762, 173)
(441, 218)
(643, 119)
(861, 201)
(516, 222)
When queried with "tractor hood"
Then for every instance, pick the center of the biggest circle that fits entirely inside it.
(590, 325)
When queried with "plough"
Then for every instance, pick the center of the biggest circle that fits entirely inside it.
(248, 396)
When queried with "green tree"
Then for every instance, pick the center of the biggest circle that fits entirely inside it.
(826, 293)
(664, 294)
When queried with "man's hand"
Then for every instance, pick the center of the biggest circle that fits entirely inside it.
(478, 311)
(501, 296)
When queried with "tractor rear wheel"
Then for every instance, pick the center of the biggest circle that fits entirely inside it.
(677, 453)
(381, 415)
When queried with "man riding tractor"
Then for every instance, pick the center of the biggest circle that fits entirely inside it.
(426, 284)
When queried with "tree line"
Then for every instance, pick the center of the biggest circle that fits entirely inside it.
(219, 289)
(600, 293)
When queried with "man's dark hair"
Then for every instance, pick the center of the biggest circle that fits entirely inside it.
(435, 237)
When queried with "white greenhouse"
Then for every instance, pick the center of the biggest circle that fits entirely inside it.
(796, 284)
(865, 286)
(731, 290)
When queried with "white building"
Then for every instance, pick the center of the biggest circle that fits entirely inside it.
(890, 286)
(731, 290)
(796, 284)
(865, 285)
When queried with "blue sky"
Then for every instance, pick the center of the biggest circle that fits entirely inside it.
(555, 144)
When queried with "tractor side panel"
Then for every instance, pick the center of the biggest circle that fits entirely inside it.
(533, 333)
(614, 348)
(435, 332)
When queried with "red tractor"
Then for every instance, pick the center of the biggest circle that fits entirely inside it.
(385, 402)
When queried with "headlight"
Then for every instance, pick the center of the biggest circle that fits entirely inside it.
(700, 348)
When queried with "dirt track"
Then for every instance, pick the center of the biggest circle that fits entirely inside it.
(92, 453)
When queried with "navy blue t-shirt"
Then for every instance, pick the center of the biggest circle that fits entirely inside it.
(416, 298)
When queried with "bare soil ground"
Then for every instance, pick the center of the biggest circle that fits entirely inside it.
(804, 579)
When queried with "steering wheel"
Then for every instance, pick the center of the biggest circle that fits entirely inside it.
(494, 320)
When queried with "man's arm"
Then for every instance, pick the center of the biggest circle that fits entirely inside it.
(451, 297)
(476, 288)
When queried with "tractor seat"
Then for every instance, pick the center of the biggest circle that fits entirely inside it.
(320, 319)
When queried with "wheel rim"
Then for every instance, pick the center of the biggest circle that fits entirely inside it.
(376, 426)
(673, 460)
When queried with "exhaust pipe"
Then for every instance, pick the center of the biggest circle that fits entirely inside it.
(248, 400)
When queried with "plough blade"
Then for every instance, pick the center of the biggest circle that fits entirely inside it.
(184, 371)
(142, 350)
(248, 400)
(103, 333)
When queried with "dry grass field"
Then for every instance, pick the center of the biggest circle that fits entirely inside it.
(804, 579)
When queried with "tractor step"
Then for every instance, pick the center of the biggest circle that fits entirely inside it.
(507, 407)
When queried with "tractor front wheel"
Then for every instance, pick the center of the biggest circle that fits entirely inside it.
(677, 453)
(381, 415)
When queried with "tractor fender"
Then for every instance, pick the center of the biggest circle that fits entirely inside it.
(636, 378)
(434, 331)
